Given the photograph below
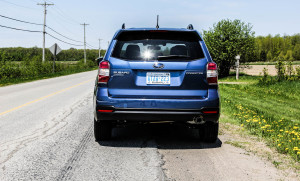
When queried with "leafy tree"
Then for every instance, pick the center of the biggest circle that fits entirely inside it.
(289, 56)
(280, 56)
(296, 52)
(269, 56)
(263, 55)
(227, 39)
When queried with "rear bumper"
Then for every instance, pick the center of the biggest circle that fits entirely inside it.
(149, 110)
(153, 115)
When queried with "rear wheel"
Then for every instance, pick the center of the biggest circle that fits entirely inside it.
(102, 130)
(209, 132)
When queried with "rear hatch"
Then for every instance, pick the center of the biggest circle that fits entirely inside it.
(158, 65)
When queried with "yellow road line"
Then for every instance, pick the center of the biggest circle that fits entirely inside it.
(41, 98)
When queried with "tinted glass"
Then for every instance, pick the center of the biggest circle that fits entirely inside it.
(147, 45)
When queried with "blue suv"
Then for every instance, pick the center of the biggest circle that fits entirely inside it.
(153, 75)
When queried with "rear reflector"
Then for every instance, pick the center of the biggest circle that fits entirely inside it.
(210, 112)
(101, 110)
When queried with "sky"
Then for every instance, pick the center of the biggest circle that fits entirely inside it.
(106, 17)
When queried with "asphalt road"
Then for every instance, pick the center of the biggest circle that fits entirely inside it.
(46, 133)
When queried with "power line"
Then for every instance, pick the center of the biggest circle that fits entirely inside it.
(63, 35)
(41, 25)
(20, 20)
(20, 29)
(63, 41)
(61, 24)
(65, 16)
(39, 32)
(91, 45)
(17, 4)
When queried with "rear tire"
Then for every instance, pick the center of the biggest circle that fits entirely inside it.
(102, 130)
(209, 132)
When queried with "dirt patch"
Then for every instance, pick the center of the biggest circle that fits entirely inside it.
(233, 82)
(257, 69)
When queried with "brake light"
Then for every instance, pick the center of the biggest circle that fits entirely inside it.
(103, 75)
(212, 73)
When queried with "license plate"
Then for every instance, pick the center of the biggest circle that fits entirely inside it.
(158, 77)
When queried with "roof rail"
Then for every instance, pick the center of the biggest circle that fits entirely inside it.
(123, 26)
(190, 27)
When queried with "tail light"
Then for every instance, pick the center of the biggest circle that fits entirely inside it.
(103, 75)
(212, 73)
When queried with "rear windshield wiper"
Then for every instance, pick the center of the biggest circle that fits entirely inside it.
(171, 57)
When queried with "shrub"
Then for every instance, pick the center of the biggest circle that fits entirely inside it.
(280, 69)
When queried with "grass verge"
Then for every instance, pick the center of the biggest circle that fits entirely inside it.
(43, 76)
(242, 78)
(268, 111)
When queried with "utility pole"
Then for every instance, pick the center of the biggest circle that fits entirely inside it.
(99, 47)
(84, 24)
(45, 4)
(237, 64)
(107, 45)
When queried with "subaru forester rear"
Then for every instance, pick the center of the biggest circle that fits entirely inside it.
(153, 75)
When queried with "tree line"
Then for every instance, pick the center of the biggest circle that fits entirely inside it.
(26, 63)
(269, 48)
(27, 54)
(229, 38)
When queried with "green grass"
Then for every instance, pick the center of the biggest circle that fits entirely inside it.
(242, 78)
(62, 62)
(269, 111)
(268, 63)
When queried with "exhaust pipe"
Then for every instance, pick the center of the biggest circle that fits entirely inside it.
(197, 120)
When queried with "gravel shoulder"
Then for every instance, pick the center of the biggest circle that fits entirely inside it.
(233, 157)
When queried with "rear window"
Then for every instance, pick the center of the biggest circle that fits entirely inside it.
(158, 45)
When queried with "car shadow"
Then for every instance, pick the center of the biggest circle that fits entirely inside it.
(161, 136)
